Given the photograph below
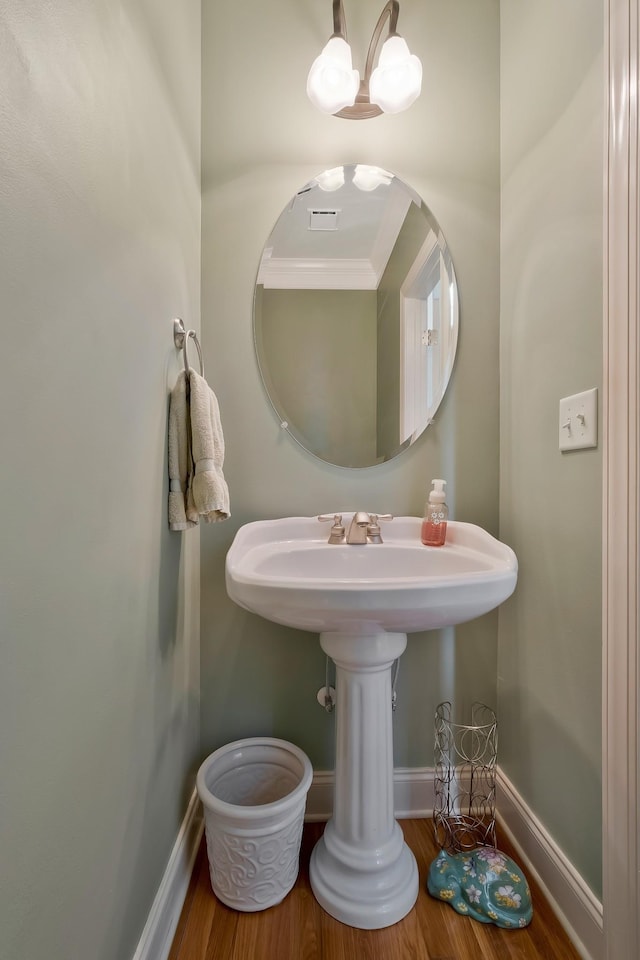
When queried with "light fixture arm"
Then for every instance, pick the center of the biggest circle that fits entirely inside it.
(363, 109)
(339, 22)
(391, 10)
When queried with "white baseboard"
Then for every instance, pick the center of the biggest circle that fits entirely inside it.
(574, 903)
(412, 793)
(157, 936)
(320, 797)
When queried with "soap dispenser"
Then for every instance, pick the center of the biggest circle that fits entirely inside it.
(436, 513)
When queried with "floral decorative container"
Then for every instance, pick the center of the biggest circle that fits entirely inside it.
(484, 884)
(254, 793)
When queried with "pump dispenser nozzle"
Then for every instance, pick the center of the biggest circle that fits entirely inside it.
(436, 495)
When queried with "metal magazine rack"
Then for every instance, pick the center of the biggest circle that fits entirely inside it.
(465, 779)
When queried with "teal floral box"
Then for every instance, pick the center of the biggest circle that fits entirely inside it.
(484, 884)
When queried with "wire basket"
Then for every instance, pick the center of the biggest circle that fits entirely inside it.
(465, 779)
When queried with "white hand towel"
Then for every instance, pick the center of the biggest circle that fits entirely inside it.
(209, 488)
(179, 456)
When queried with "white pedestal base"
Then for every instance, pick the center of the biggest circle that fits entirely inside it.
(361, 871)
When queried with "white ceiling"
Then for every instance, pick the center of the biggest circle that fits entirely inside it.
(354, 255)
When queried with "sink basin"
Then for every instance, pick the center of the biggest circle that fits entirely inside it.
(286, 571)
(363, 600)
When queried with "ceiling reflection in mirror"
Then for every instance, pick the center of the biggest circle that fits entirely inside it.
(356, 316)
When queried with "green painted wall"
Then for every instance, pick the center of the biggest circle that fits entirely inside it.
(99, 660)
(549, 669)
(262, 140)
(100, 247)
(318, 349)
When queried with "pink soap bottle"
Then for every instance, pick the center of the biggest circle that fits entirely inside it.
(436, 513)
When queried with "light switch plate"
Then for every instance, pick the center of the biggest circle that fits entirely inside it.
(578, 426)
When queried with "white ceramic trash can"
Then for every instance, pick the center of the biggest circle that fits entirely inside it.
(254, 793)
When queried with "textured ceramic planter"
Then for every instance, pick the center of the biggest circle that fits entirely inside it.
(254, 793)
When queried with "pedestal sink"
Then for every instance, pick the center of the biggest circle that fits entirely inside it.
(363, 600)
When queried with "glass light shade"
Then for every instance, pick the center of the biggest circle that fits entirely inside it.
(331, 180)
(368, 178)
(332, 83)
(397, 80)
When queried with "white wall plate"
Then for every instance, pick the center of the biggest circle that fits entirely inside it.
(578, 426)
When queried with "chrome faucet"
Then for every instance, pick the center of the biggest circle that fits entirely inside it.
(358, 528)
(336, 534)
(373, 530)
(364, 527)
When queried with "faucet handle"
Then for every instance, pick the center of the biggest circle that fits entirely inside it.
(337, 530)
(373, 530)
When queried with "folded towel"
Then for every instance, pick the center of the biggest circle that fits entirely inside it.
(180, 467)
(209, 491)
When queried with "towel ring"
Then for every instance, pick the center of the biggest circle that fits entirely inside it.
(181, 340)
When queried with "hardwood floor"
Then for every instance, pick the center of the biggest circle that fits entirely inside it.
(298, 929)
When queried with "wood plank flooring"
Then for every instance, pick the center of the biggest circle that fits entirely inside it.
(298, 928)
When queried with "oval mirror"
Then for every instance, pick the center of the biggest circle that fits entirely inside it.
(356, 316)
